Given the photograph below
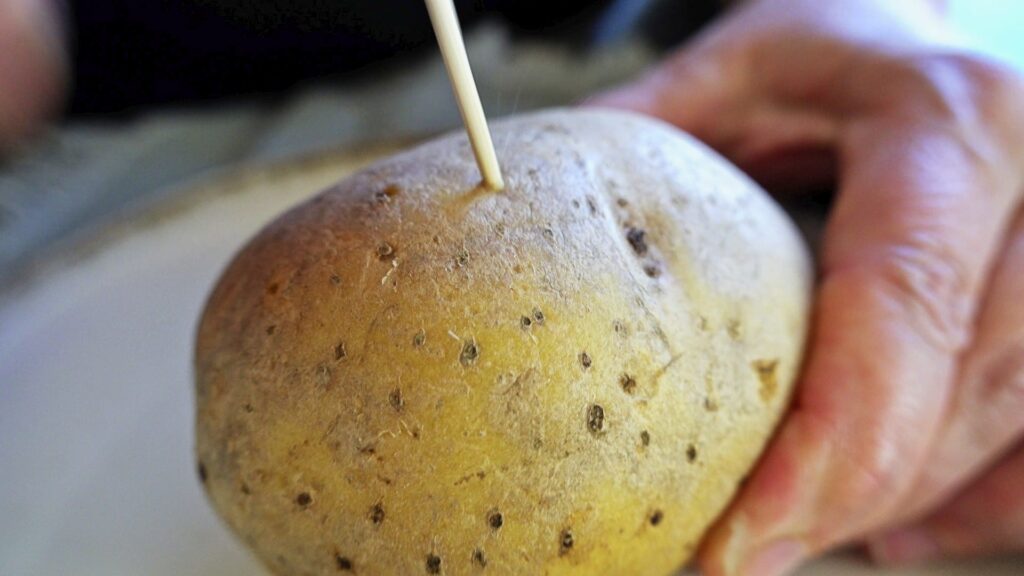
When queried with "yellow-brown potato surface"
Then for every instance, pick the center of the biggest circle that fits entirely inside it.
(410, 374)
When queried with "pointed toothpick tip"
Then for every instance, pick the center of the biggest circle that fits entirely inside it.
(456, 61)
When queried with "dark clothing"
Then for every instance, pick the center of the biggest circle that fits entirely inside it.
(134, 53)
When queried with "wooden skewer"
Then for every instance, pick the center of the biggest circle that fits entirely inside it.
(453, 51)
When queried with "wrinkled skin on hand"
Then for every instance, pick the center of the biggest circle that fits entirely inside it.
(906, 430)
(32, 67)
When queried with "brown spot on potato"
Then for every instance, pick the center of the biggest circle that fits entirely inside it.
(538, 316)
(470, 352)
(339, 351)
(387, 194)
(304, 499)
(419, 338)
(592, 205)
(652, 271)
(656, 517)
(710, 404)
(462, 259)
(479, 475)
(385, 252)
(343, 563)
(585, 360)
(637, 239)
(595, 419)
(323, 376)
(495, 520)
(767, 374)
(201, 469)
(273, 288)
(335, 279)
(619, 327)
(645, 438)
(628, 383)
(622, 202)
(396, 400)
(565, 542)
(433, 564)
(245, 489)
(479, 560)
(377, 513)
(691, 453)
(735, 329)
(271, 329)
(525, 322)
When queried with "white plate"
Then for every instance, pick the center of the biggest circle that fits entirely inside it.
(96, 468)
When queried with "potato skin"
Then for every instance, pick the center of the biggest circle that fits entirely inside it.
(409, 374)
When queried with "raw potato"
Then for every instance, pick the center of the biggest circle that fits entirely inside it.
(412, 375)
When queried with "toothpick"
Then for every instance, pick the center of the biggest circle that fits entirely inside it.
(453, 51)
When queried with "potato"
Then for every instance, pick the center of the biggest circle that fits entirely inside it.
(410, 374)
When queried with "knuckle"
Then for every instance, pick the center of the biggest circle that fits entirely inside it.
(990, 402)
(1002, 384)
(968, 88)
(878, 471)
(930, 280)
(872, 463)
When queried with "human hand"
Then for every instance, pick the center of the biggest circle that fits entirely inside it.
(907, 425)
(32, 67)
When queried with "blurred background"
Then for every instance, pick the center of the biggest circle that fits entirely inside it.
(111, 233)
(165, 92)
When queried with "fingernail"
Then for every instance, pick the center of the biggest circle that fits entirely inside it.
(909, 546)
(776, 558)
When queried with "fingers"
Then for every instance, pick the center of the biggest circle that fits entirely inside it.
(986, 416)
(32, 67)
(917, 222)
(987, 518)
(748, 85)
